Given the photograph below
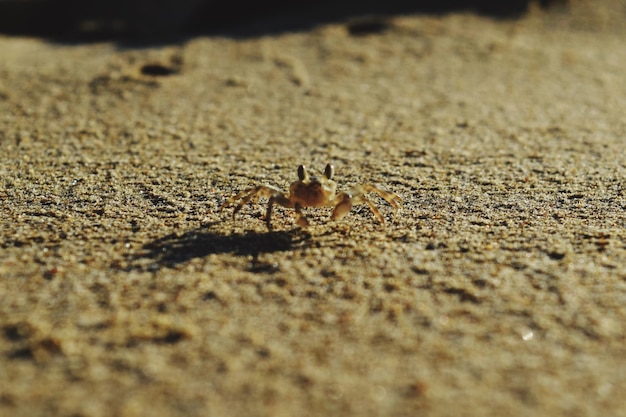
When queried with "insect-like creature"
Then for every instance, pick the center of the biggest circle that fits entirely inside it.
(313, 192)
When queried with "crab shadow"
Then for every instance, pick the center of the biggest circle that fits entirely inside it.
(175, 249)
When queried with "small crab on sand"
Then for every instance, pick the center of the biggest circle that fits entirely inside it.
(313, 192)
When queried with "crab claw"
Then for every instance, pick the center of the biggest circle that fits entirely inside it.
(343, 208)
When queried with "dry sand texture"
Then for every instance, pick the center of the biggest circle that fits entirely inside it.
(500, 289)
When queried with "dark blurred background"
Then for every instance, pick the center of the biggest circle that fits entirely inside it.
(99, 19)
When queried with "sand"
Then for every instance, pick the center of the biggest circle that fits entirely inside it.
(498, 289)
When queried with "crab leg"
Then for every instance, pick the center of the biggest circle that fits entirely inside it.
(390, 198)
(280, 199)
(248, 195)
(372, 207)
(345, 201)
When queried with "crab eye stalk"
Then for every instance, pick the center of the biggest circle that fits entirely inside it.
(302, 172)
(329, 171)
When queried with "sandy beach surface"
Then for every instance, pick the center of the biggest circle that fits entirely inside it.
(499, 288)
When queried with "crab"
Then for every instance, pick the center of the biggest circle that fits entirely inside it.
(313, 192)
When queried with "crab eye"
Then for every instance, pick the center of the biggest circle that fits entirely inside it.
(329, 171)
(301, 172)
